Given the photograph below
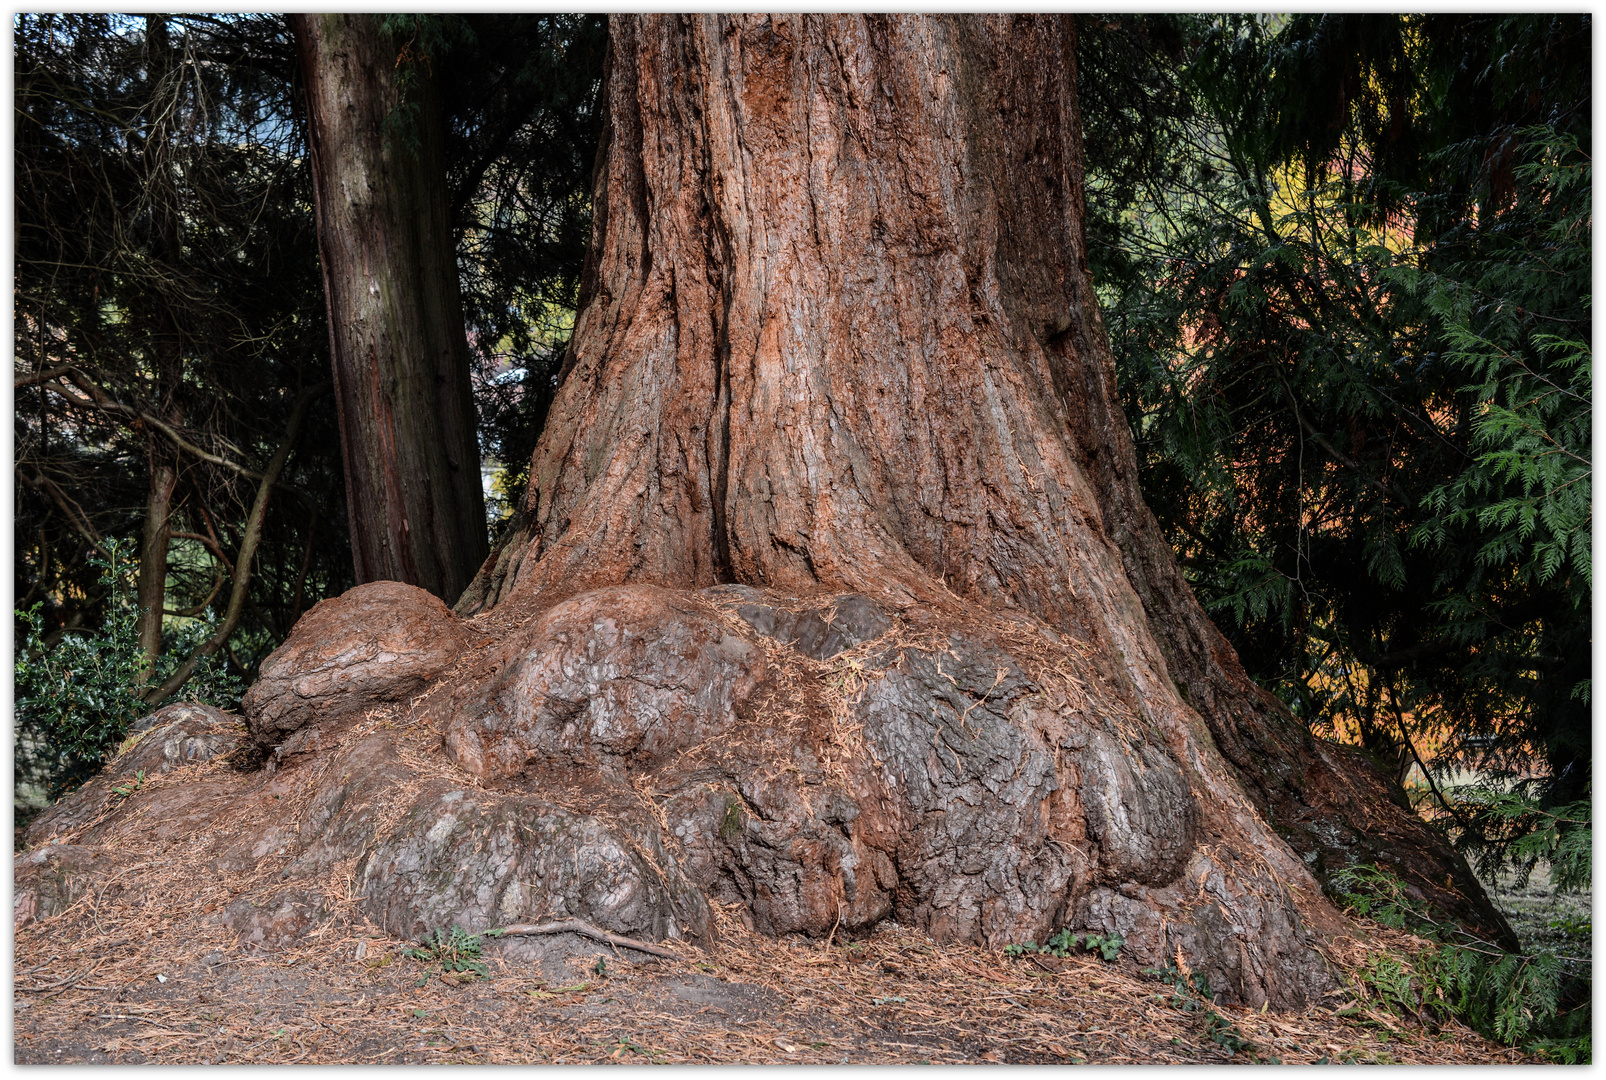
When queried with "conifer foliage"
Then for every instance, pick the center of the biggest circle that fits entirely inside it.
(1346, 269)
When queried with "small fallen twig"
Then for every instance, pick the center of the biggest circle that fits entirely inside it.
(52, 986)
(584, 929)
(129, 1016)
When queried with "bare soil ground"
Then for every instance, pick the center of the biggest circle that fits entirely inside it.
(99, 984)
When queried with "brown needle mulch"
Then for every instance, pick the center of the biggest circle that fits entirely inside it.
(101, 983)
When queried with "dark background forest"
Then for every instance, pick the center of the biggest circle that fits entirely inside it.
(1344, 264)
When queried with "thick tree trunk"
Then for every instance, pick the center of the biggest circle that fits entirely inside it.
(839, 333)
(400, 357)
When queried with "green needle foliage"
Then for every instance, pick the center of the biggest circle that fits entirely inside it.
(1515, 830)
(1345, 266)
(1536, 1001)
(1515, 314)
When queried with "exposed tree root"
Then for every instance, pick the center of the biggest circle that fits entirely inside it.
(584, 929)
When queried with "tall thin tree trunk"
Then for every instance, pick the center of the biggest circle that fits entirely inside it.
(166, 346)
(838, 333)
(400, 355)
(151, 589)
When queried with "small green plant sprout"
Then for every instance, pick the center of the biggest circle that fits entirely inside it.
(1063, 943)
(1191, 989)
(1572, 925)
(128, 787)
(1192, 994)
(1106, 945)
(455, 952)
(1225, 1035)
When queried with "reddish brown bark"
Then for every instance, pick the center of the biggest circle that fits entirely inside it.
(839, 333)
(396, 330)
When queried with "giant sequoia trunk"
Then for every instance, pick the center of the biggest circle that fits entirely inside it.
(833, 599)
(400, 357)
(839, 335)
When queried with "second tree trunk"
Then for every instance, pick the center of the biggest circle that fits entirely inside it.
(399, 350)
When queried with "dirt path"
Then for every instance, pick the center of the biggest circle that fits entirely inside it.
(138, 987)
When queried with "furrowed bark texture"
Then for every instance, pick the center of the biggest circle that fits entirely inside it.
(400, 357)
(839, 333)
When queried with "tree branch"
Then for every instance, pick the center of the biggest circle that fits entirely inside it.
(98, 398)
(584, 929)
(1399, 721)
(217, 585)
(37, 377)
(1508, 620)
(306, 561)
(82, 402)
(190, 448)
(1322, 441)
(242, 563)
(74, 512)
(1391, 661)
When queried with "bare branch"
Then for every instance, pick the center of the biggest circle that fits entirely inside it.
(584, 929)
(248, 546)
(75, 513)
(98, 398)
(36, 377)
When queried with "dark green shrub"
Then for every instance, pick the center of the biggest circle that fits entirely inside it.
(77, 698)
